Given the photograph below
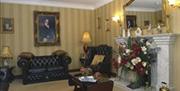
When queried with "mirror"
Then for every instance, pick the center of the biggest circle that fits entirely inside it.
(142, 13)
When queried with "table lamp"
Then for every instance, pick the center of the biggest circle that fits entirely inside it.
(86, 39)
(6, 55)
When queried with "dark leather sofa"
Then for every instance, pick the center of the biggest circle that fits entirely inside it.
(103, 67)
(44, 68)
(5, 78)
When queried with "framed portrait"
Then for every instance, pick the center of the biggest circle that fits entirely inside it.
(7, 25)
(131, 21)
(46, 28)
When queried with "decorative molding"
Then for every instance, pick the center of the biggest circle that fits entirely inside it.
(59, 4)
(142, 9)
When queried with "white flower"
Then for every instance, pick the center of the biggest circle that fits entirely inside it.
(128, 51)
(144, 64)
(143, 48)
(147, 72)
(138, 59)
(145, 52)
(142, 40)
(148, 43)
(119, 59)
(133, 61)
(132, 67)
(123, 45)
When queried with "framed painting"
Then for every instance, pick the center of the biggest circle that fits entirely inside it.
(7, 25)
(131, 21)
(46, 28)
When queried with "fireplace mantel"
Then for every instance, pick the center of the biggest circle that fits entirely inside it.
(162, 69)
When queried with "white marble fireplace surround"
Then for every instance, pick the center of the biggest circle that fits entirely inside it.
(162, 69)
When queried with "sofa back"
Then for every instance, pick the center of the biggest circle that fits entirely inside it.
(44, 61)
(99, 50)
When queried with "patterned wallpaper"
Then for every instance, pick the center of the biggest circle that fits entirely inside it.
(105, 13)
(73, 22)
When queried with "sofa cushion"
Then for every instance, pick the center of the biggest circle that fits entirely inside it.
(97, 59)
(59, 53)
(26, 55)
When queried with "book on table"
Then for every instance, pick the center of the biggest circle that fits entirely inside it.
(87, 79)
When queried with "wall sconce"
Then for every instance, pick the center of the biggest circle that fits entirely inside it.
(175, 3)
(116, 19)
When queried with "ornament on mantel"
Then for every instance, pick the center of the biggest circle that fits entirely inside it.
(149, 27)
(128, 32)
(159, 28)
(138, 32)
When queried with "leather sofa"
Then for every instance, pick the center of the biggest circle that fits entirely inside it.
(103, 67)
(5, 78)
(44, 68)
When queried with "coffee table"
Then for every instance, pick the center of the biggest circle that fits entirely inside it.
(79, 85)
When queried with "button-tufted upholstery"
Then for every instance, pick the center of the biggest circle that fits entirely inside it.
(103, 67)
(4, 78)
(44, 68)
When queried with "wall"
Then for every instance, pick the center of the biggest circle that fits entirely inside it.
(106, 12)
(175, 27)
(73, 22)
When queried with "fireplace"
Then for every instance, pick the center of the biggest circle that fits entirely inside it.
(161, 70)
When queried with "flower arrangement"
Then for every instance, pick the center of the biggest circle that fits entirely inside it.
(85, 71)
(137, 54)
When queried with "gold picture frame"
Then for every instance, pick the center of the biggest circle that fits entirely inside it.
(6, 25)
(46, 28)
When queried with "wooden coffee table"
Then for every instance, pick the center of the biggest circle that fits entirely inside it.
(79, 85)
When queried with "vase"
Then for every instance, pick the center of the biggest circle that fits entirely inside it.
(137, 82)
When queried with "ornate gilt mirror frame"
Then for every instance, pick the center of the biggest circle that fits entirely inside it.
(165, 13)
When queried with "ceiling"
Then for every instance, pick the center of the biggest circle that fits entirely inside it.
(145, 5)
(89, 4)
(84, 4)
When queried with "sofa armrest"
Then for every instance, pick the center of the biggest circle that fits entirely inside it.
(23, 62)
(67, 60)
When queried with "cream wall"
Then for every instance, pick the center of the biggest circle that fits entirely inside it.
(73, 22)
(175, 27)
(106, 12)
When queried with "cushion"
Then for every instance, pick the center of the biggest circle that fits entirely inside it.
(97, 59)
(26, 54)
(59, 52)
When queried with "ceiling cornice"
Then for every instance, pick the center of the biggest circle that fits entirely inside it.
(142, 9)
(101, 3)
(59, 4)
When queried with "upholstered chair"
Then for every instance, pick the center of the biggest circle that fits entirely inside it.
(105, 65)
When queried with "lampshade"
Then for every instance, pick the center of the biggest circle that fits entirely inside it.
(6, 52)
(86, 37)
(116, 18)
(175, 3)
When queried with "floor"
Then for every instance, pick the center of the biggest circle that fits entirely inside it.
(61, 85)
